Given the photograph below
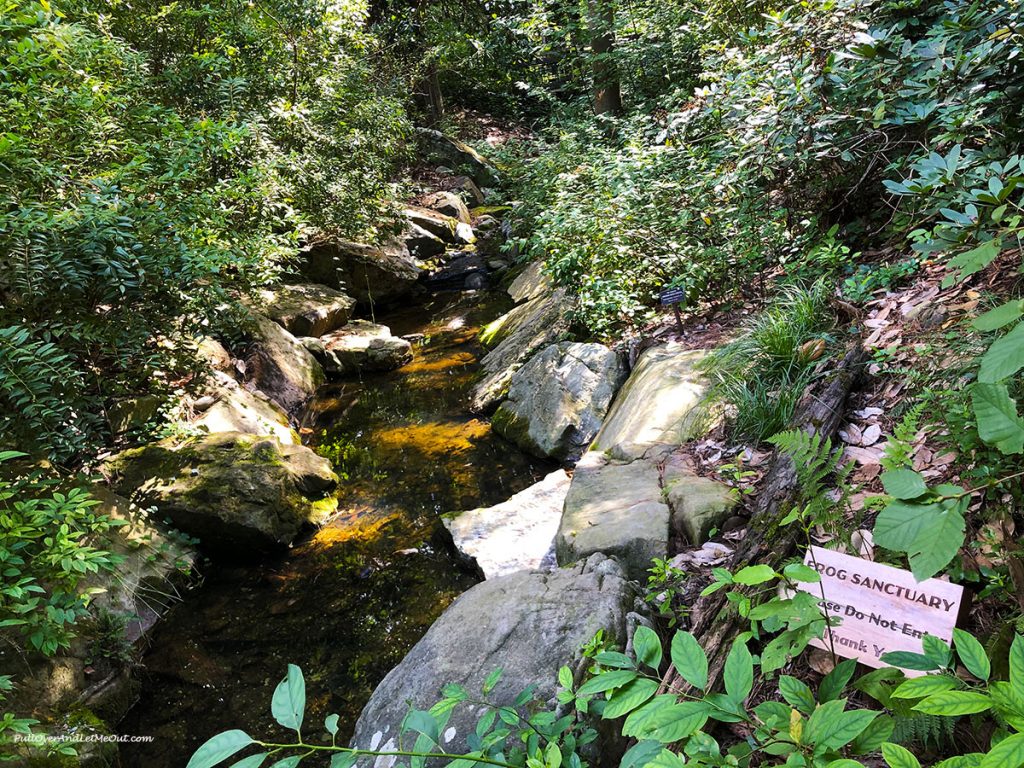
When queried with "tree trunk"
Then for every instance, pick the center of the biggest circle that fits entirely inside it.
(607, 89)
(714, 621)
(435, 99)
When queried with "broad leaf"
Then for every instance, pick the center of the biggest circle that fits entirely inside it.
(899, 757)
(690, 660)
(753, 574)
(219, 748)
(797, 694)
(919, 687)
(629, 697)
(739, 672)
(972, 654)
(904, 484)
(606, 681)
(288, 704)
(647, 645)
(952, 703)
(1004, 358)
(1000, 316)
(998, 422)
(1008, 753)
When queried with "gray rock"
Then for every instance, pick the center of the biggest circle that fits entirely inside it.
(280, 366)
(616, 508)
(378, 274)
(527, 623)
(515, 535)
(423, 244)
(362, 346)
(698, 504)
(475, 282)
(468, 189)
(232, 408)
(449, 204)
(531, 283)
(307, 309)
(453, 154)
(556, 402)
(657, 404)
(239, 494)
(539, 323)
(447, 228)
(133, 413)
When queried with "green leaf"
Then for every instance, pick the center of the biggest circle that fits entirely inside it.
(952, 703)
(344, 760)
(690, 660)
(606, 681)
(491, 681)
(1008, 753)
(739, 672)
(666, 720)
(641, 754)
(801, 572)
(252, 761)
(288, 762)
(823, 721)
(219, 748)
(919, 687)
(422, 722)
(930, 534)
(753, 574)
(998, 422)
(970, 760)
(899, 757)
(870, 739)
(937, 650)
(909, 660)
(629, 697)
(975, 259)
(797, 694)
(904, 484)
(647, 645)
(1017, 662)
(288, 704)
(972, 654)
(1000, 316)
(331, 724)
(1004, 358)
(565, 678)
(835, 682)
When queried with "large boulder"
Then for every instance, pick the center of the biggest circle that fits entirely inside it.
(658, 404)
(439, 149)
(543, 321)
(370, 274)
(307, 309)
(449, 204)
(280, 366)
(527, 623)
(556, 402)
(699, 504)
(239, 494)
(423, 244)
(515, 535)
(360, 346)
(448, 228)
(458, 274)
(468, 190)
(228, 407)
(618, 508)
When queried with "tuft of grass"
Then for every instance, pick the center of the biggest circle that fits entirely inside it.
(761, 375)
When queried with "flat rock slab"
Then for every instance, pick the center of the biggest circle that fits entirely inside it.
(515, 535)
(557, 401)
(307, 309)
(530, 283)
(236, 409)
(528, 623)
(614, 507)
(370, 274)
(657, 404)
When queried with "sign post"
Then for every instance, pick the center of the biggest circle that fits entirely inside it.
(881, 608)
(673, 297)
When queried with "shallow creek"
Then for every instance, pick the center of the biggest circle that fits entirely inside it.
(347, 603)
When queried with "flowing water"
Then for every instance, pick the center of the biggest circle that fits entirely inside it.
(349, 602)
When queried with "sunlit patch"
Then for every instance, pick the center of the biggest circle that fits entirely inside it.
(433, 438)
(457, 322)
(443, 363)
(351, 526)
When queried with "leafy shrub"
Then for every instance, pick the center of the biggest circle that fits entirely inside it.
(45, 553)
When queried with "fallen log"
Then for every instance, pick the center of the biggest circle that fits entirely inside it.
(714, 621)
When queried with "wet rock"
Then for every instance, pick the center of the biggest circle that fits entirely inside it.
(307, 309)
(361, 346)
(515, 535)
(459, 157)
(448, 204)
(556, 402)
(475, 282)
(369, 274)
(280, 366)
(616, 508)
(527, 623)
(239, 494)
(231, 408)
(538, 323)
(657, 404)
(455, 274)
(531, 283)
(423, 244)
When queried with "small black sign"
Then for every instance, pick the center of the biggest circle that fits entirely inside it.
(672, 296)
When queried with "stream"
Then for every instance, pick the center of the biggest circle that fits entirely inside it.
(349, 601)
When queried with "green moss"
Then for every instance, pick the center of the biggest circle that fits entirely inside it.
(93, 754)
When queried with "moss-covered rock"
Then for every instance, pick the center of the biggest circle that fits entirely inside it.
(239, 494)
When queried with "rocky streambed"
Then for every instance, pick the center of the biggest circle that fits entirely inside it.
(347, 603)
